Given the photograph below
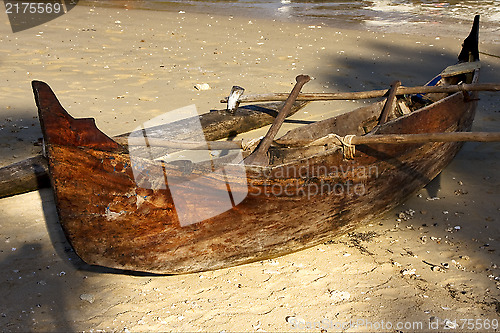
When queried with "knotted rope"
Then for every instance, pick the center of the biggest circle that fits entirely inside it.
(347, 147)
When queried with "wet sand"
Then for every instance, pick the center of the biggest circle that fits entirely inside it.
(431, 259)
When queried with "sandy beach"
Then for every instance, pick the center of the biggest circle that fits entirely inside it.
(429, 265)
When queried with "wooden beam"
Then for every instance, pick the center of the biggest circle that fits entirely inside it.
(369, 94)
(398, 139)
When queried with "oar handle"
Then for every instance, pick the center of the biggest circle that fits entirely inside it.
(259, 155)
(390, 105)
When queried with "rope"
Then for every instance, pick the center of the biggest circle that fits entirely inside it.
(348, 148)
(465, 92)
(252, 144)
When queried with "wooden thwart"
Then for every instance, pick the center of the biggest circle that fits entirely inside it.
(369, 94)
(462, 68)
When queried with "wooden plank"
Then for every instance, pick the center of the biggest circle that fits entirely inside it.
(462, 68)
(390, 104)
(404, 108)
(24, 176)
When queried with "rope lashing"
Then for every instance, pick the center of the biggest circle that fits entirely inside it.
(347, 147)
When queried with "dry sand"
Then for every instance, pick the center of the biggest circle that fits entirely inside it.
(427, 261)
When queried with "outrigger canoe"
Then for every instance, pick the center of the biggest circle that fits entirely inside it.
(122, 207)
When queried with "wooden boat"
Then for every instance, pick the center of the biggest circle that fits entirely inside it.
(123, 211)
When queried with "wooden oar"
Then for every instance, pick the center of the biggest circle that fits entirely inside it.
(259, 155)
(369, 94)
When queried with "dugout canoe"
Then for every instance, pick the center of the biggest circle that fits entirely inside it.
(182, 214)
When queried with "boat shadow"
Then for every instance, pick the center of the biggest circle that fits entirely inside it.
(18, 268)
(384, 63)
(20, 136)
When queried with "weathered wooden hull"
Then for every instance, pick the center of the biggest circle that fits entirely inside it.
(110, 221)
(114, 217)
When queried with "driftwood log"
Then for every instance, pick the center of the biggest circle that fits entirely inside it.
(25, 176)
